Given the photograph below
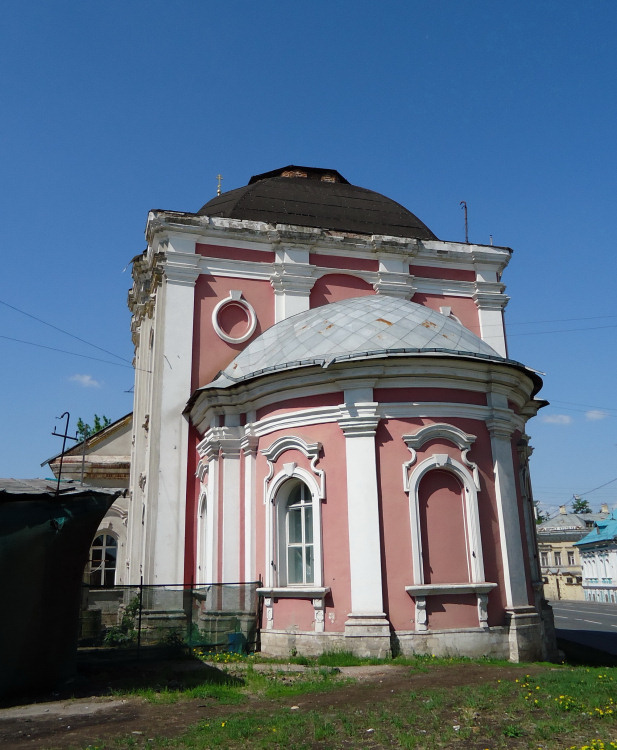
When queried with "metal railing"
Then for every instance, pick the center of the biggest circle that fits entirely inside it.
(213, 616)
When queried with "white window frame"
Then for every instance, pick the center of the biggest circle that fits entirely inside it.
(100, 571)
(276, 565)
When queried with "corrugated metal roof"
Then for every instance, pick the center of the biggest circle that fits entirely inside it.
(605, 531)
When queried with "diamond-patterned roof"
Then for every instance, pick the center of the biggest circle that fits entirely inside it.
(357, 328)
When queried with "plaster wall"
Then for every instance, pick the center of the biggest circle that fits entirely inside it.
(463, 308)
(210, 353)
(336, 287)
(334, 526)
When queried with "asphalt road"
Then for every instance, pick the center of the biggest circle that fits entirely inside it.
(590, 623)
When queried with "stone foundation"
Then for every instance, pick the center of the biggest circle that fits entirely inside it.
(521, 639)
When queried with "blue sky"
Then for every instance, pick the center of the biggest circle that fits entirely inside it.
(112, 109)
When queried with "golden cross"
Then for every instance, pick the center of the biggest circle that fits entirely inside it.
(219, 177)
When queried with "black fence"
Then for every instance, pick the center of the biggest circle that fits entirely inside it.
(214, 617)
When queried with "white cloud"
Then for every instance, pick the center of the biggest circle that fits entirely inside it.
(86, 381)
(556, 418)
(595, 414)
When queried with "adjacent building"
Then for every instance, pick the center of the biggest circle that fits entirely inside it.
(598, 551)
(562, 572)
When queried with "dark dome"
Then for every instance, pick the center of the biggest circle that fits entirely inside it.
(310, 197)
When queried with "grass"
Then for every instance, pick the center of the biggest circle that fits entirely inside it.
(556, 708)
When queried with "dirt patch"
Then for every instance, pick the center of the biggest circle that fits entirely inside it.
(94, 719)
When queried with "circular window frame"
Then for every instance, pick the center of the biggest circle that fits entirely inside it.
(235, 298)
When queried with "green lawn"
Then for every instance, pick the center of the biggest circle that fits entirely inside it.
(553, 708)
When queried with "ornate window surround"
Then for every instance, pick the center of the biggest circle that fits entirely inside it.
(467, 474)
(315, 482)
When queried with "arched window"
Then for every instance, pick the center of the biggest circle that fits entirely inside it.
(296, 535)
(102, 563)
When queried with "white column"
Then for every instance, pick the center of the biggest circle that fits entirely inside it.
(367, 621)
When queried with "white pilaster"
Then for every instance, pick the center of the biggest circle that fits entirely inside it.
(359, 425)
(249, 445)
(491, 301)
(500, 427)
(165, 478)
(292, 281)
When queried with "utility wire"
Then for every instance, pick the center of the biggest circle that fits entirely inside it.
(73, 354)
(61, 330)
(580, 494)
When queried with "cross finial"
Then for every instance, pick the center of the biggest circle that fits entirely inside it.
(219, 177)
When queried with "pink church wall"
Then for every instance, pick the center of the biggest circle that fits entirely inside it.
(348, 264)
(449, 395)
(464, 308)
(396, 530)
(451, 274)
(210, 353)
(397, 571)
(442, 529)
(192, 499)
(234, 253)
(452, 611)
(334, 287)
(335, 538)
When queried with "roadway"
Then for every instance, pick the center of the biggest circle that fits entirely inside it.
(592, 624)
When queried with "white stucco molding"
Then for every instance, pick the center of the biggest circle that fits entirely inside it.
(440, 431)
(358, 418)
(292, 442)
(295, 592)
(225, 441)
(235, 298)
(395, 284)
(443, 589)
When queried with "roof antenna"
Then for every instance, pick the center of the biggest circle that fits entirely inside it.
(464, 205)
(219, 177)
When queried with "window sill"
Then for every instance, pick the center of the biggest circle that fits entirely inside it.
(295, 592)
(440, 589)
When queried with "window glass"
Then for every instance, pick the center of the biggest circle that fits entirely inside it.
(296, 535)
(102, 563)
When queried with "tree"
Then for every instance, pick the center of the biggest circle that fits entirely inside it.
(84, 431)
(580, 506)
(541, 516)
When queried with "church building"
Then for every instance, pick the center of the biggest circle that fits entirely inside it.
(324, 403)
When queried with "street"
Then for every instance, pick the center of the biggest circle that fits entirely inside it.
(592, 624)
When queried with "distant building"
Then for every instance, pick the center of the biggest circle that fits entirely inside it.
(559, 556)
(598, 551)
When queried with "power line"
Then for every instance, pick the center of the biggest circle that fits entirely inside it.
(580, 494)
(563, 330)
(73, 354)
(61, 330)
